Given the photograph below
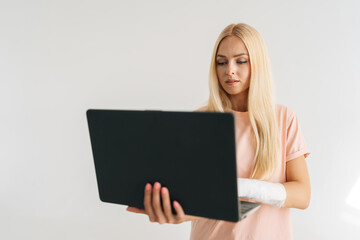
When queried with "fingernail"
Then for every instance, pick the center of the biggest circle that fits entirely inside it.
(176, 204)
(156, 185)
(163, 190)
(148, 186)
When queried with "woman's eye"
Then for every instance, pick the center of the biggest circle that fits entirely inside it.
(223, 63)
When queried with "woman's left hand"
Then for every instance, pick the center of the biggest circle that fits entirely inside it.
(161, 213)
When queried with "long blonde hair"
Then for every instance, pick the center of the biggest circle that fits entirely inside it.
(261, 103)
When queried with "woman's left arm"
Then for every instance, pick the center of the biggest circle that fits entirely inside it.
(297, 185)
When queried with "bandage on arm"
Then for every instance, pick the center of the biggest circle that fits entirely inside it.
(262, 191)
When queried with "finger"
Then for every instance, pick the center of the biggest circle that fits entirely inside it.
(248, 200)
(135, 210)
(156, 204)
(147, 203)
(166, 204)
(180, 215)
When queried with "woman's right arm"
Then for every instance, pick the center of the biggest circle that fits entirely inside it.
(161, 213)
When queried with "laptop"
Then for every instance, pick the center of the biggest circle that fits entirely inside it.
(193, 154)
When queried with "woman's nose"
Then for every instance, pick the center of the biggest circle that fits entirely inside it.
(230, 70)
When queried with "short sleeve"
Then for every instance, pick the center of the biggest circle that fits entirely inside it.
(295, 143)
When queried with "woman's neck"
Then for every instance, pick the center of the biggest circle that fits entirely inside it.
(240, 101)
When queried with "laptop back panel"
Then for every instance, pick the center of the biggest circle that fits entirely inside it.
(190, 153)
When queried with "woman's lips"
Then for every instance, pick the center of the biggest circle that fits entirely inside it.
(231, 81)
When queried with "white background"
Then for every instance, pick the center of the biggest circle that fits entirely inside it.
(58, 58)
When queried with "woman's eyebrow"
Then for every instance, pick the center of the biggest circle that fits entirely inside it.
(237, 55)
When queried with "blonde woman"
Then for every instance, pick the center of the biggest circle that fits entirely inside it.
(270, 150)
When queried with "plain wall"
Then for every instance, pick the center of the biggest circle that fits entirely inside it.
(59, 58)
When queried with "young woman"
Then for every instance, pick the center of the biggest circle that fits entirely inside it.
(271, 150)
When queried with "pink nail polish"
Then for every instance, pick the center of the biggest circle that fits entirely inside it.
(148, 186)
(176, 204)
(163, 190)
(156, 185)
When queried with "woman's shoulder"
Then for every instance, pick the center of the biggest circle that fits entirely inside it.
(285, 113)
(201, 109)
(283, 110)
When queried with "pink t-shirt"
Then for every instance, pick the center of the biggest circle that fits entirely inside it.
(267, 222)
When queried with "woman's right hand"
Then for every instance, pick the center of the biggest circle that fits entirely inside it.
(158, 212)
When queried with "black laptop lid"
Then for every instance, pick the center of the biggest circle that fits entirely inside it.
(190, 153)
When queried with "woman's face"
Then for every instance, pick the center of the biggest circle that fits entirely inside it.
(233, 66)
